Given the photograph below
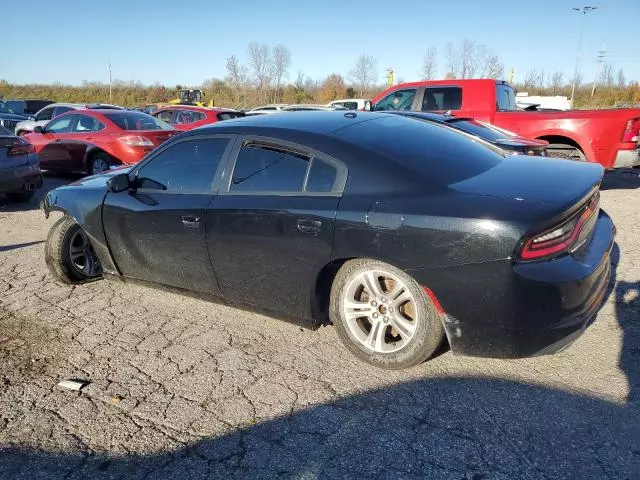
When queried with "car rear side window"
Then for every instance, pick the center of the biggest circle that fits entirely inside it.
(165, 116)
(442, 98)
(185, 167)
(322, 177)
(264, 168)
(436, 152)
(45, 114)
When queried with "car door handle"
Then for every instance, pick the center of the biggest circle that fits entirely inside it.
(309, 226)
(191, 221)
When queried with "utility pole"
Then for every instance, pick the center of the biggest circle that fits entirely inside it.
(110, 97)
(599, 61)
(583, 11)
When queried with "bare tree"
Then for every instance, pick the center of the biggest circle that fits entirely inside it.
(577, 79)
(364, 73)
(534, 78)
(453, 61)
(540, 79)
(236, 76)
(300, 80)
(279, 67)
(554, 81)
(606, 75)
(622, 81)
(259, 61)
(492, 68)
(429, 64)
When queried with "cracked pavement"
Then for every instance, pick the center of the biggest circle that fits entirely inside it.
(185, 388)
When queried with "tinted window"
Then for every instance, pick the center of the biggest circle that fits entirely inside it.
(85, 123)
(506, 97)
(436, 152)
(478, 129)
(229, 115)
(261, 168)
(322, 176)
(188, 166)
(137, 121)
(442, 98)
(60, 110)
(17, 106)
(398, 100)
(61, 125)
(184, 116)
(45, 114)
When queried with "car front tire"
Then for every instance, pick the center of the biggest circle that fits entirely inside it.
(69, 253)
(383, 316)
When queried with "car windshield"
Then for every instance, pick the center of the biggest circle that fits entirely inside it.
(440, 153)
(137, 121)
(4, 108)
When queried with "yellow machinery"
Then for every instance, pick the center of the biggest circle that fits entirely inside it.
(188, 96)
(389, 72)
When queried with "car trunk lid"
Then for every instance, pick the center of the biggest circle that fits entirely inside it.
(14, 152)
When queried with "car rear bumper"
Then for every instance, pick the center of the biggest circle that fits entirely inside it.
(20, 179)
(627, 158)
(506, 310)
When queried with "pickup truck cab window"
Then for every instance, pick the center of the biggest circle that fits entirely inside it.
(397, 100)
(442, 98)
(506, 98)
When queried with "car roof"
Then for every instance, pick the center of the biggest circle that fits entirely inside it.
(319, 122)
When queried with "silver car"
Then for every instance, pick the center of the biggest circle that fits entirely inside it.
(49, 112)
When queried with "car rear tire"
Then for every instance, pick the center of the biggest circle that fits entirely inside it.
(99, 163)
(21, 197)
(69, 253)
(561, 150)
(383, 316)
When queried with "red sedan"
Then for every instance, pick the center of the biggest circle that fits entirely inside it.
(92, 141)
(185, 117)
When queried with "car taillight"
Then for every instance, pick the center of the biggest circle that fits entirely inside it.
(18, 147)
(136, 141)
(632, 131)
(562, 237)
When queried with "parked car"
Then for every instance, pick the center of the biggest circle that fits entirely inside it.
(20, 174)
(49, 112)
(506, 140)
(353, 103)
(609, 137)
(150, 108)
(187, 118)
(27, 107)
(271, 108)
(94, 140)
(311, 107)
(8, 117)
(399, 232)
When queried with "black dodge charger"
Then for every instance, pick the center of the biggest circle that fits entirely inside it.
(399, 233)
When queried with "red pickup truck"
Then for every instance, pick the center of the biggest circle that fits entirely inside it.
(609, 137)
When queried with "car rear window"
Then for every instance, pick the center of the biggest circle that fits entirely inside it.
(476, 128)
(437, 152)
(137, 121)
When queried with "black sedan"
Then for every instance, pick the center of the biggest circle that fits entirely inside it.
(399, 232)
(508, 141)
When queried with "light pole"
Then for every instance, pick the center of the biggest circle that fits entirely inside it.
(582, 10)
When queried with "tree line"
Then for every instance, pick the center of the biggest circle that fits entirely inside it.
(266, 78)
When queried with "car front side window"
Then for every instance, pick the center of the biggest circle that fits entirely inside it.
(398, 100)
(165, 116)
(60, 125)
(188, 166)
(44, 114)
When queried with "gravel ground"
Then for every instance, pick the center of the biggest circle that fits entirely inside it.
(184, 388)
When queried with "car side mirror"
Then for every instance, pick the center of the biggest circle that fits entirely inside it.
(38, 129)
(119, 183)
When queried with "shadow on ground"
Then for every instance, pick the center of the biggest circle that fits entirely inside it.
(50, 181)
(453, 428)
(621, 179)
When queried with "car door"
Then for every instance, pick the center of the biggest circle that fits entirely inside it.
(400, 99)
(156, 231)
(75, 142)
(270, 230)
(441, 98)
(49, 143)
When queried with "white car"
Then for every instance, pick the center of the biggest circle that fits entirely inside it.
(353, 103)
(271, 108)
(51, 111)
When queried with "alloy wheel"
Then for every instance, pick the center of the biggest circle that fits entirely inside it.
(83, 258)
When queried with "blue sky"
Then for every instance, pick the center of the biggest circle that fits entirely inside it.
(187, 42)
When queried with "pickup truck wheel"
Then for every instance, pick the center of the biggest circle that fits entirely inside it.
(561, 150)
(69, 254)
